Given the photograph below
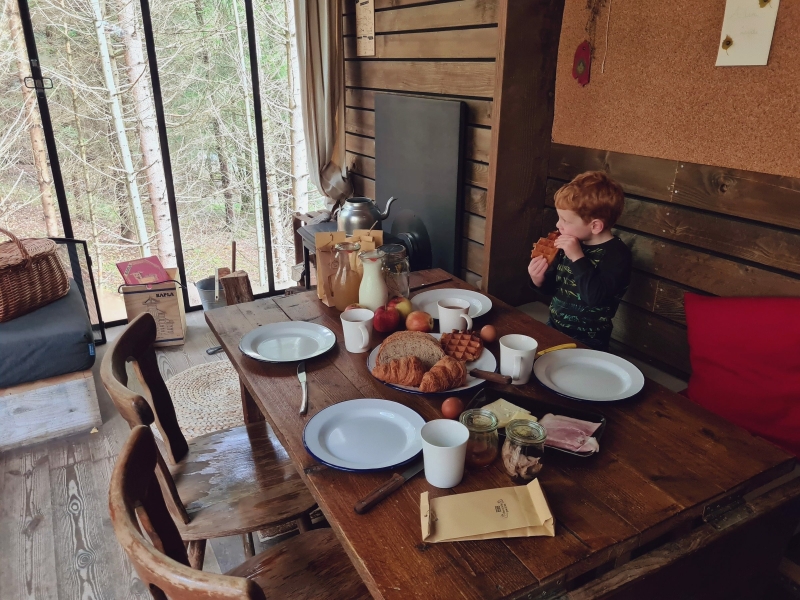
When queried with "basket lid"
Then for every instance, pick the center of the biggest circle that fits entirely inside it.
(17, 251)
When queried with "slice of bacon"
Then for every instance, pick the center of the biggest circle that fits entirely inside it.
(570, 434)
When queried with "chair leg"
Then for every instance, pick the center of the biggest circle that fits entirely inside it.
(196, 550)
(304, 523)
(249, 545)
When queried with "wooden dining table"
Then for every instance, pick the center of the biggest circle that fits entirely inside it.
(674, 500)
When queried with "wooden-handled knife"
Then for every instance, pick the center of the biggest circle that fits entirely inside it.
(490, 376)
(385, 489)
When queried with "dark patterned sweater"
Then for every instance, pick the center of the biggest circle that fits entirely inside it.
(586, 293)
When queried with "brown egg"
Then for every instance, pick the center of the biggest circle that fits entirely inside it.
(452, 408)
(488, 334)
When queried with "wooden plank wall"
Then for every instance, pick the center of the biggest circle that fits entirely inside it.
(691, 227)
(433, 49)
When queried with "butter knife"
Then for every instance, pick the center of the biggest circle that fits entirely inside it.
(301, 375)
(383, 490)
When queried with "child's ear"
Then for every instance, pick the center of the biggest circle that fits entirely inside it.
(597, 226)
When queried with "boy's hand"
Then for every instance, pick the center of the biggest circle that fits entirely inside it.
(537, 269)
(570, 245)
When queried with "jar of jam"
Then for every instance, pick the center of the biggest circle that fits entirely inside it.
(483, 443)
(523, 449)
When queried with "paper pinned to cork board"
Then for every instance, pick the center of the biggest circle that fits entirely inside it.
(747, 32)
(519, 511)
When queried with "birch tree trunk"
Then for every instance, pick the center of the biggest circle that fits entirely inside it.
(148, 134)
(32, 120)
(299, 161)
(251, 137)
(119, 127)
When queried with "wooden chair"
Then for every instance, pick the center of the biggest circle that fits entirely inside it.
(223, 483)
(311, 565)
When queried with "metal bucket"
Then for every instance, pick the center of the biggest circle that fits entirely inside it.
(205, 289)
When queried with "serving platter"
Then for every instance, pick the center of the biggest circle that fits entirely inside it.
(367, 434)
(287, 342)
(427, 301)
(486, 362)
(588, 375)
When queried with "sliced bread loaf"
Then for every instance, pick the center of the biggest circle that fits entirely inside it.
(410, 343)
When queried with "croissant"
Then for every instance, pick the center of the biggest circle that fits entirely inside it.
(407, 370)
(446, 374)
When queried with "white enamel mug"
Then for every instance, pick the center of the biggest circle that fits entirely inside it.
(357, 327)
(453, 315)
(444, 449)
(517, 353)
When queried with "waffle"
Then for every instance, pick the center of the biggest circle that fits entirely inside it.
(465, 346)
(546, 247)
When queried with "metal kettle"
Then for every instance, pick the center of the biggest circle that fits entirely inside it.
(361, 213)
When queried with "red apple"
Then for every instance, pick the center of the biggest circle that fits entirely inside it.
(352, 306)
(403, 305)
(386, 320)
(419, 321)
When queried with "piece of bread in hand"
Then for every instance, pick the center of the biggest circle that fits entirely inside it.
(446, 374)
(410, 343)
(407, 370)
(546, 247)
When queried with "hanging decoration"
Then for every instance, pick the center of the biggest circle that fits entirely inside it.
(582, 64)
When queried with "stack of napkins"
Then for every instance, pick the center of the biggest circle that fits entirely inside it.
(519, 511)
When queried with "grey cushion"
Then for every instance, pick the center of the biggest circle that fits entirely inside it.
(54, 340)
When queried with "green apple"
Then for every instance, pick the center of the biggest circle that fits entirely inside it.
(403, 306)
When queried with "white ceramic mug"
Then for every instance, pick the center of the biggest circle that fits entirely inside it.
(444, 448)
(357, 327)
(517, 353)
(453, 315)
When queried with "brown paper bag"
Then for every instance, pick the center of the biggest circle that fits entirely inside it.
(519, 511)
(326, 262)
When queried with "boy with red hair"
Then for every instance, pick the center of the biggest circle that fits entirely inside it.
(591, 274)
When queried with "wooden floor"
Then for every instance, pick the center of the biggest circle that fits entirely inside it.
(56, 539)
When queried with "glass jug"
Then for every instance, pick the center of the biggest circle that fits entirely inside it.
(346, 280)
(372, 294)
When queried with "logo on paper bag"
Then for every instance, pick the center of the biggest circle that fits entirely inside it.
(502, 508)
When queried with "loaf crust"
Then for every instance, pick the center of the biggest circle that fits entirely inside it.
(410, 343)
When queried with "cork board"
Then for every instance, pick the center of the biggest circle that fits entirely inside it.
(662, 96)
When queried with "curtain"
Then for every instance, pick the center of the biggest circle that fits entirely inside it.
(320, 52)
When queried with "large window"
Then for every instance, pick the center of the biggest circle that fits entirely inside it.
(120, 192)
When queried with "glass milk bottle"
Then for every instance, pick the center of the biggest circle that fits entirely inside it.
(346, 279)
(373, 292)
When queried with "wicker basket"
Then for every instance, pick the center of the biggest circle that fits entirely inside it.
(31, 275)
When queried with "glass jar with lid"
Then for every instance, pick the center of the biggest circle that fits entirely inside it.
(396, 269)
(483, 443)
(523, 449)
(346, 280)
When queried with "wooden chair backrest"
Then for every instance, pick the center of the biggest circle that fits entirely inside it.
(161, 562)
(135, 344)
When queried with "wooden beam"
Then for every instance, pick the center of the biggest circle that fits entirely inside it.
(448, 78)
(479, 112)
(522, 124)
(446, 44)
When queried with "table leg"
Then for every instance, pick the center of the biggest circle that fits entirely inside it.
(249, 545)
(250, 409)
(306, 268)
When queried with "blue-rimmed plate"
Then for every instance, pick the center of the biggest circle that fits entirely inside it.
(367, 434)
(287, 342)
(588, 375)
(486, 362)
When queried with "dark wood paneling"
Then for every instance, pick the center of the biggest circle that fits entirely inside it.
(363, 165)
(640, 175)
(363, 186)
(472, 256)
(663, 340)
(657, 296)
(361, 122)
(706, 272)
(349, 6)
(360, 145)
(472, 278)
(479, 112)
(463, 13)
(475, 200)
(757, 196)
(447, 43)
(522, 124)
(477, 174)
(448, 78)
(474, 228)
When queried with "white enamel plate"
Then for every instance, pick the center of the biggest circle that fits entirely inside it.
(287, 342)
(364, 435)
(486, 362)
(588, 375)
(479, 304)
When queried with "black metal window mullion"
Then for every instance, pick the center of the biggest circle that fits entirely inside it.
(158, 101)
(262, 164)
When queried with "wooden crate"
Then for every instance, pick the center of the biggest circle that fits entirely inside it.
(47, 409)
(165, 302)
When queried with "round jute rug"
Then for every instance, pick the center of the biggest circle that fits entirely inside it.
(206, 398)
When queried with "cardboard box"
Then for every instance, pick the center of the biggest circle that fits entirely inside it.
(165, 302)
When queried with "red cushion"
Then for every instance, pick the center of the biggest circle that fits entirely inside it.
(745, 355)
